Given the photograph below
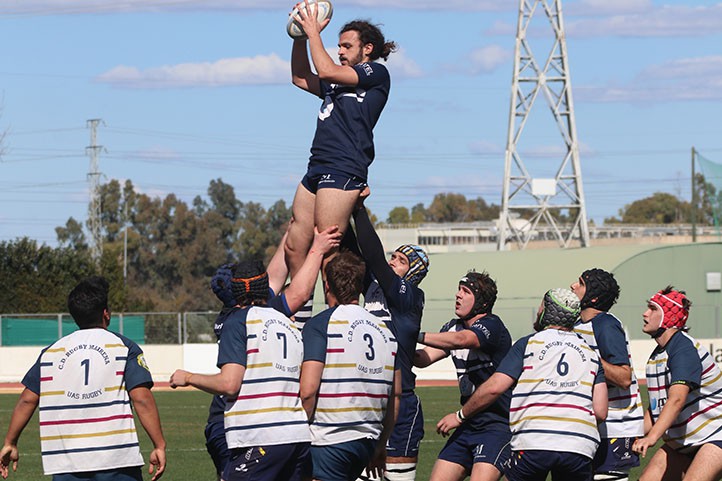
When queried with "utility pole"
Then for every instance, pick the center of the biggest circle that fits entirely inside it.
(552, 189)
(694, 201)
(94, 211)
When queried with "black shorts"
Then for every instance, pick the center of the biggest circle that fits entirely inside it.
(332, 181)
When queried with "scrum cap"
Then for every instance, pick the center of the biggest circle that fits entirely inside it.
(250, 282)
(484, 289)
(602, 289)
(672, 304)
(560, 308)
(418, 263)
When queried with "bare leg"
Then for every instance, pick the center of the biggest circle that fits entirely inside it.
(447, 471)
(484, 472)
(300, 232)
(334, 207)
(665, 465)
(706, 465)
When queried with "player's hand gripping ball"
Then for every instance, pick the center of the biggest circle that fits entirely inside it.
(325, 11)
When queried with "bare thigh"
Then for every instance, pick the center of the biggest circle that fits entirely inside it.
(706, 465)
(665, 465)
(484, 472)
(334, 207)
(300, 232)
(447, 471)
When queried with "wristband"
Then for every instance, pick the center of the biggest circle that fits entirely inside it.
(421, 337)
(460, 416)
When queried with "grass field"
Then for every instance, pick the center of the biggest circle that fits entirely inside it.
(183, 415)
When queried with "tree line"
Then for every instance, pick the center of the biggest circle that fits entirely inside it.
(173, 248)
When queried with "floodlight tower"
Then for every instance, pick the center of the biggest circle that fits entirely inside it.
(542, 198)
(94, 210)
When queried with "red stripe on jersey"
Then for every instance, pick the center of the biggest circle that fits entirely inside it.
(355, 394)
(252, 351)
(84, 421)
(550, 405)
(335, 351)
(268, 394)
(44, 379)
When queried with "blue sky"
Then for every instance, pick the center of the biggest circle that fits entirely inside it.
(193, 90)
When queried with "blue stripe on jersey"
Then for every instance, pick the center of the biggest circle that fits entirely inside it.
(46, 364)
(271, 379)
(357, 379)
(251, 336)
(541, 393)
(84, 406)
(265, 425)
(699, 398)
(335, 335)
(554, 431)
(634, 418)
(95, 448)
(121, 358)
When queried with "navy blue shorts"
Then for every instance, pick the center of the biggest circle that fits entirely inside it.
(332, 181)
(281, 462)
(342, 462)
(691, 451)
(133, 473)
(216, 445)
(468, 446)
(615, 455)
(409, 428)
(536, 465)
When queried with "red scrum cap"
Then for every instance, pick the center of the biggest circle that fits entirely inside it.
(672, 305)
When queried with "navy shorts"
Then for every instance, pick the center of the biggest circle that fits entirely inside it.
(343, 461)
(409, 428)
(691, 451)
(615, 455)
(332, 181)
(468, 446)
(536, 465)
(133, 473)
(216, 445)
(281, 462)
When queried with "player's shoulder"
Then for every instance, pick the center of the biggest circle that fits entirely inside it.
(451, 326)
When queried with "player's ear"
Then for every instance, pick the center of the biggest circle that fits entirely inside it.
(368, 49)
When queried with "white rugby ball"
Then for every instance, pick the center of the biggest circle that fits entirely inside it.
(325, 11)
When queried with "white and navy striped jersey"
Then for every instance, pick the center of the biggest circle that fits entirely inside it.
(358, 351)
(683, 360)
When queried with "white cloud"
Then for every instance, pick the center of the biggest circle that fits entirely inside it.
(489, 58)
(69, 7)
(401, 66)
(637, 19)
(258, 70)
(697, 78)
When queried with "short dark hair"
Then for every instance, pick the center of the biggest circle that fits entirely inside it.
(345, 276)
(370, 33)
(484, 289)
(88, 300)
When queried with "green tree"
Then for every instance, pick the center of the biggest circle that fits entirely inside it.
(399, 215)
(659, 208)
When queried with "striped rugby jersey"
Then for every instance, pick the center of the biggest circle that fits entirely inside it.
(551, 403)
(684, 360)
(605, 334)
(358, 351)
(86, 422)
(267, 410)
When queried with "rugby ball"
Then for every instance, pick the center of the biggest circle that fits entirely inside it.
(325, 11)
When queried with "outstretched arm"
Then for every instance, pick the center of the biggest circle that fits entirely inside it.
(277, 268)
(464, 339)
(326, 68)
(22, 413)
(372, 249)
(225, 383)
(145, 407)
(303, 283)
(481, 399)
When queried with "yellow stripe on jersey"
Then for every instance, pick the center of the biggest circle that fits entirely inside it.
(259, 365)
(57, 349)
(52, 393)
(264, 410)
(586, 346)
(698, 429)
(254, 321)
(341, 365)
(389, 368)
(113, 388)
(713, 380)
(584, 383)
(529, 380)
(338, 322)
(657, 361)
(554, 418)
(91, 435)
(109, 346)
(536, 342)
(584, 331)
